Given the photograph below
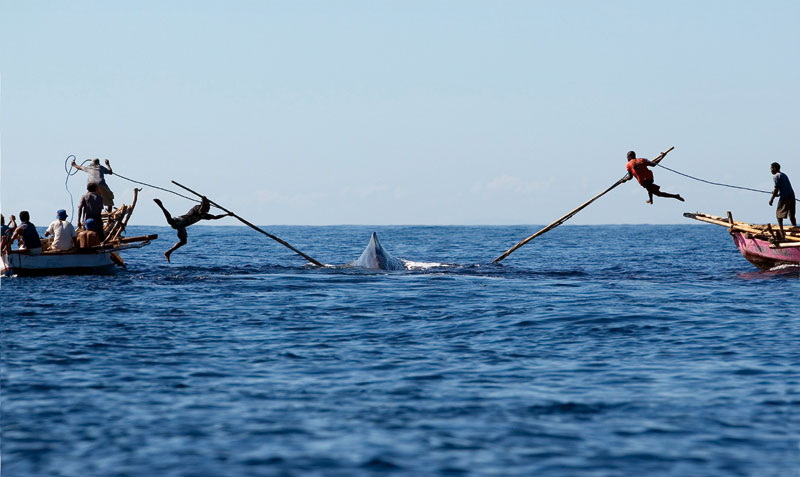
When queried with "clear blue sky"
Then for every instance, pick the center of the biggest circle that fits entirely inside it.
(414, 112)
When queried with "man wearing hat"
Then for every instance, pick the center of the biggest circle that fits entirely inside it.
(88, 237)
(62, 231)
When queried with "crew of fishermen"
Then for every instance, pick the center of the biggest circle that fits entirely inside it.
(65, 237)
(63, 233)
(99, 195)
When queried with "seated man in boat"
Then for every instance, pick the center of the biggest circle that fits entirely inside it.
(97, 174)
(786, 204)
(91, 207)
(62, 231)
(197, 213)
(638, 168)
(7, 231)
(88, 237)
(27, 232)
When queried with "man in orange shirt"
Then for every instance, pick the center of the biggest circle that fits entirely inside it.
(638, 168)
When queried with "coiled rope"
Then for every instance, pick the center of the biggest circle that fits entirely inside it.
(716, 183)
(71, 171)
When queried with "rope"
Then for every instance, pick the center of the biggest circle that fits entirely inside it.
(716, 183)
(70, 173)
(156, 187)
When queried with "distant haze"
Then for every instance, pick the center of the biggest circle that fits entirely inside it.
(420, 112)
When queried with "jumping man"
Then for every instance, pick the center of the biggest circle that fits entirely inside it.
(638, 168)
(197, 213)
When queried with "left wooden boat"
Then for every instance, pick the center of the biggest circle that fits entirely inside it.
(103, 258)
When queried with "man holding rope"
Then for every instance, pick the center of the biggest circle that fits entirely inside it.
(97, 174)
(638, 168)
(786, 203)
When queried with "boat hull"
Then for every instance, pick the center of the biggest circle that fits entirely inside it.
(759, 253)
(22, 264)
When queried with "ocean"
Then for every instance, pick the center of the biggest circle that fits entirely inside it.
(592, 351)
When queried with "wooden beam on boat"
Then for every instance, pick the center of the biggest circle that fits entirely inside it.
(127, 215)
(140, 238)
(784, 245)
(762, 230)
(257, 229)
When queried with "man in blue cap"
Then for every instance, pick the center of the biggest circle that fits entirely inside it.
(88, 237)
(62, 231)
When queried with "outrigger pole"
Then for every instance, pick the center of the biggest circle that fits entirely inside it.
(282, 242)
(573, 212)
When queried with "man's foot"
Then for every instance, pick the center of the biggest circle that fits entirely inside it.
(680, 198)
(166, 255)
(648, 201)
(158, 201)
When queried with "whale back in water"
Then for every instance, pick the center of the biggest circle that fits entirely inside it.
(377, 258)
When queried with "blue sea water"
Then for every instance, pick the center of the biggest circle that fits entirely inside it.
(592, 351)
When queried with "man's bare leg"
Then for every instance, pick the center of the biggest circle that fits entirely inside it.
(670, 196)
(650, 200)
(166, 212)
(174, 247)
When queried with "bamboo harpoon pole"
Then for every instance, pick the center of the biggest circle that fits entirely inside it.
(282, 242)
(572, 212)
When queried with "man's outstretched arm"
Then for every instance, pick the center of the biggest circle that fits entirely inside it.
(216, 217)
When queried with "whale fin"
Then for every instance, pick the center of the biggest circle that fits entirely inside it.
(377, 258)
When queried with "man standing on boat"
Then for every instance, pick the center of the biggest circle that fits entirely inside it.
(783, 189)
(27, 232)
(91, 207)
(197, 213)
(62, 231)
(97, 174)
(638, 168)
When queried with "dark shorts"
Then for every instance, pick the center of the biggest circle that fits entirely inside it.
(648, 184)
(180, 224)
(181, 232)
(786, 208)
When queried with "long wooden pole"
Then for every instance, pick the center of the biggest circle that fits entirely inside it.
(572, 212)
(282, 242)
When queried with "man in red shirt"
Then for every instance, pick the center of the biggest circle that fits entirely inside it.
(638, 168)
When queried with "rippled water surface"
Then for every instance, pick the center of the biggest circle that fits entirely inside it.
(592, 351)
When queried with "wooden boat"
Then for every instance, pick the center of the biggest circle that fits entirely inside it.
(101, 258)
(761, 245)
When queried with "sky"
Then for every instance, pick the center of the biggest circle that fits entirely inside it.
(414, 112)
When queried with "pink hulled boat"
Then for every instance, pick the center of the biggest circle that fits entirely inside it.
(761, 245)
